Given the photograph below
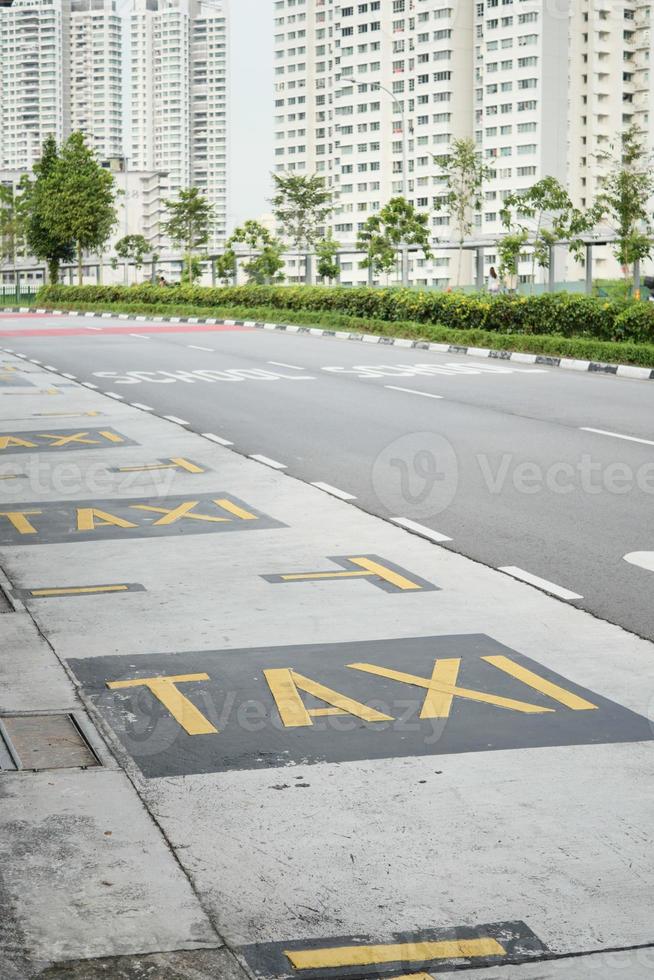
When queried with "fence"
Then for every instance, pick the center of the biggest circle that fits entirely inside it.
(17, 295)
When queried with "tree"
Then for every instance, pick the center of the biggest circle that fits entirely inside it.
(133, 248)
(623, 201)
(266, 264)
(225, 266)
(397, 224)
(12, 224)
(78, 202)
(327, 253)
(301, 205)
(188, 226)
(44, 241)
(509, 248)
(550, 217)
(463, 176)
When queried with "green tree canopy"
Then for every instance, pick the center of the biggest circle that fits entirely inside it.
(133, 248)
(266, 264)
(327, 253)
(43, 240)
(623, 202)
(301, 205)
(463, 175)
(397, 224)
(188, 226)
(78, 200)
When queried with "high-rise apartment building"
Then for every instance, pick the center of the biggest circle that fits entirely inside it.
(60, 70)
(179, 97)
(369, 92)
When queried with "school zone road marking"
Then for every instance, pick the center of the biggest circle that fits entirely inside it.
(364, 371)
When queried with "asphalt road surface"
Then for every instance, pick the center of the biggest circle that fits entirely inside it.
(545, 472)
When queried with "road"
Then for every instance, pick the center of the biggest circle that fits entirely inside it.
(546, 472)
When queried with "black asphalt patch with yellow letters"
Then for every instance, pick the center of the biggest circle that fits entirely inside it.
(61, 440)
(54, 522)
(401, 953)
(263, 707)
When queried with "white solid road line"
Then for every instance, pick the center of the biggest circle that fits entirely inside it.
(211, 350)
(267, 461)
(424, 532)
(218, 439)
(540, 583)
(644, 559)
(173, 418)
(334, 491)
(617, 435)
(144, 408)
(293, 367)
(139, 336)
(411, 391)
(112, 394)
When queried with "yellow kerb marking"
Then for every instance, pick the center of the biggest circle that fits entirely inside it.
(374, 568)
(184, 464)
(285, 686)
(10, 476)
(183, 510)
(183, 711)
(174, 463)
(315, 959)
(531, 679)
(19, 520)
(89, 518)
(79, 590)
(413, 976)
(300, 576)
(439, 707)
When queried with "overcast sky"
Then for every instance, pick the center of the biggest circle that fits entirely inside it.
(251, 81)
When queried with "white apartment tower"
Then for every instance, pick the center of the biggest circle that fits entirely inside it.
(179, 97)
(368, 92)
(60, 70)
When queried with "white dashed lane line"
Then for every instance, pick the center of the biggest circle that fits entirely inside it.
(292, 367)
(173, 418)
(618, 435)
(412, 391)
(140, 336)
(424, 532)
(112, 394)
(334, 491)
(267, 461)
(218, 439)
(144, 408)
(540, 583)
(87, 384)
(209, 350)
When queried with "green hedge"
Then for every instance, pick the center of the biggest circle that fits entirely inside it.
(563, 314)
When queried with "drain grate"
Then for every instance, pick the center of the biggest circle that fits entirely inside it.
(44, 742)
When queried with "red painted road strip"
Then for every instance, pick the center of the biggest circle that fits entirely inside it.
(134, 327)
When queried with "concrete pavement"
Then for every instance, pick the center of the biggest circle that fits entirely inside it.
(327, 747)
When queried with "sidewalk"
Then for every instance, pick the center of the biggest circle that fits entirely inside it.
(313, 741)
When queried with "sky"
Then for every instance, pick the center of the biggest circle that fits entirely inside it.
(251, 122)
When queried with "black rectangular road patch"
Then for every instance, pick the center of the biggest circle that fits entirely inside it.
(61, 440)
(259, 708)
(398, 953)
(54, 522)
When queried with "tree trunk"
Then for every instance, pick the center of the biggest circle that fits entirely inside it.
(80, 274)
(53, 271)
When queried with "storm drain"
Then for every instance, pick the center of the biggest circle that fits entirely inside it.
(44, 742)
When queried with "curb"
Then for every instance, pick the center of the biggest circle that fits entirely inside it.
(567, 363)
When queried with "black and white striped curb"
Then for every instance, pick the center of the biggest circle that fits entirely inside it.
(571, 364)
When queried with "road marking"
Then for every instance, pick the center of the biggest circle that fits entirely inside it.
(61, 415)
(173, 463)
(334, 491)
(87, 327)
(87, 384)
(33, 360)
(112, 394)
(139, 336)
(165, 690)
(48, 367)
(173, 418)
(424, 532)
(80, 590)
(292, 367)
(411, 391)
(644, 559)
(210, 350)
(63, 439)
(218, 439)
(267, 461)
(285, 685)
(145, 408)
(540, 583)
(341, 956)
(72, 377)
(380, 572)
(14, 476)
(618, 435)
(41, 391)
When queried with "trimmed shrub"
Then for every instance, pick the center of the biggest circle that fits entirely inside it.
(561, 314)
